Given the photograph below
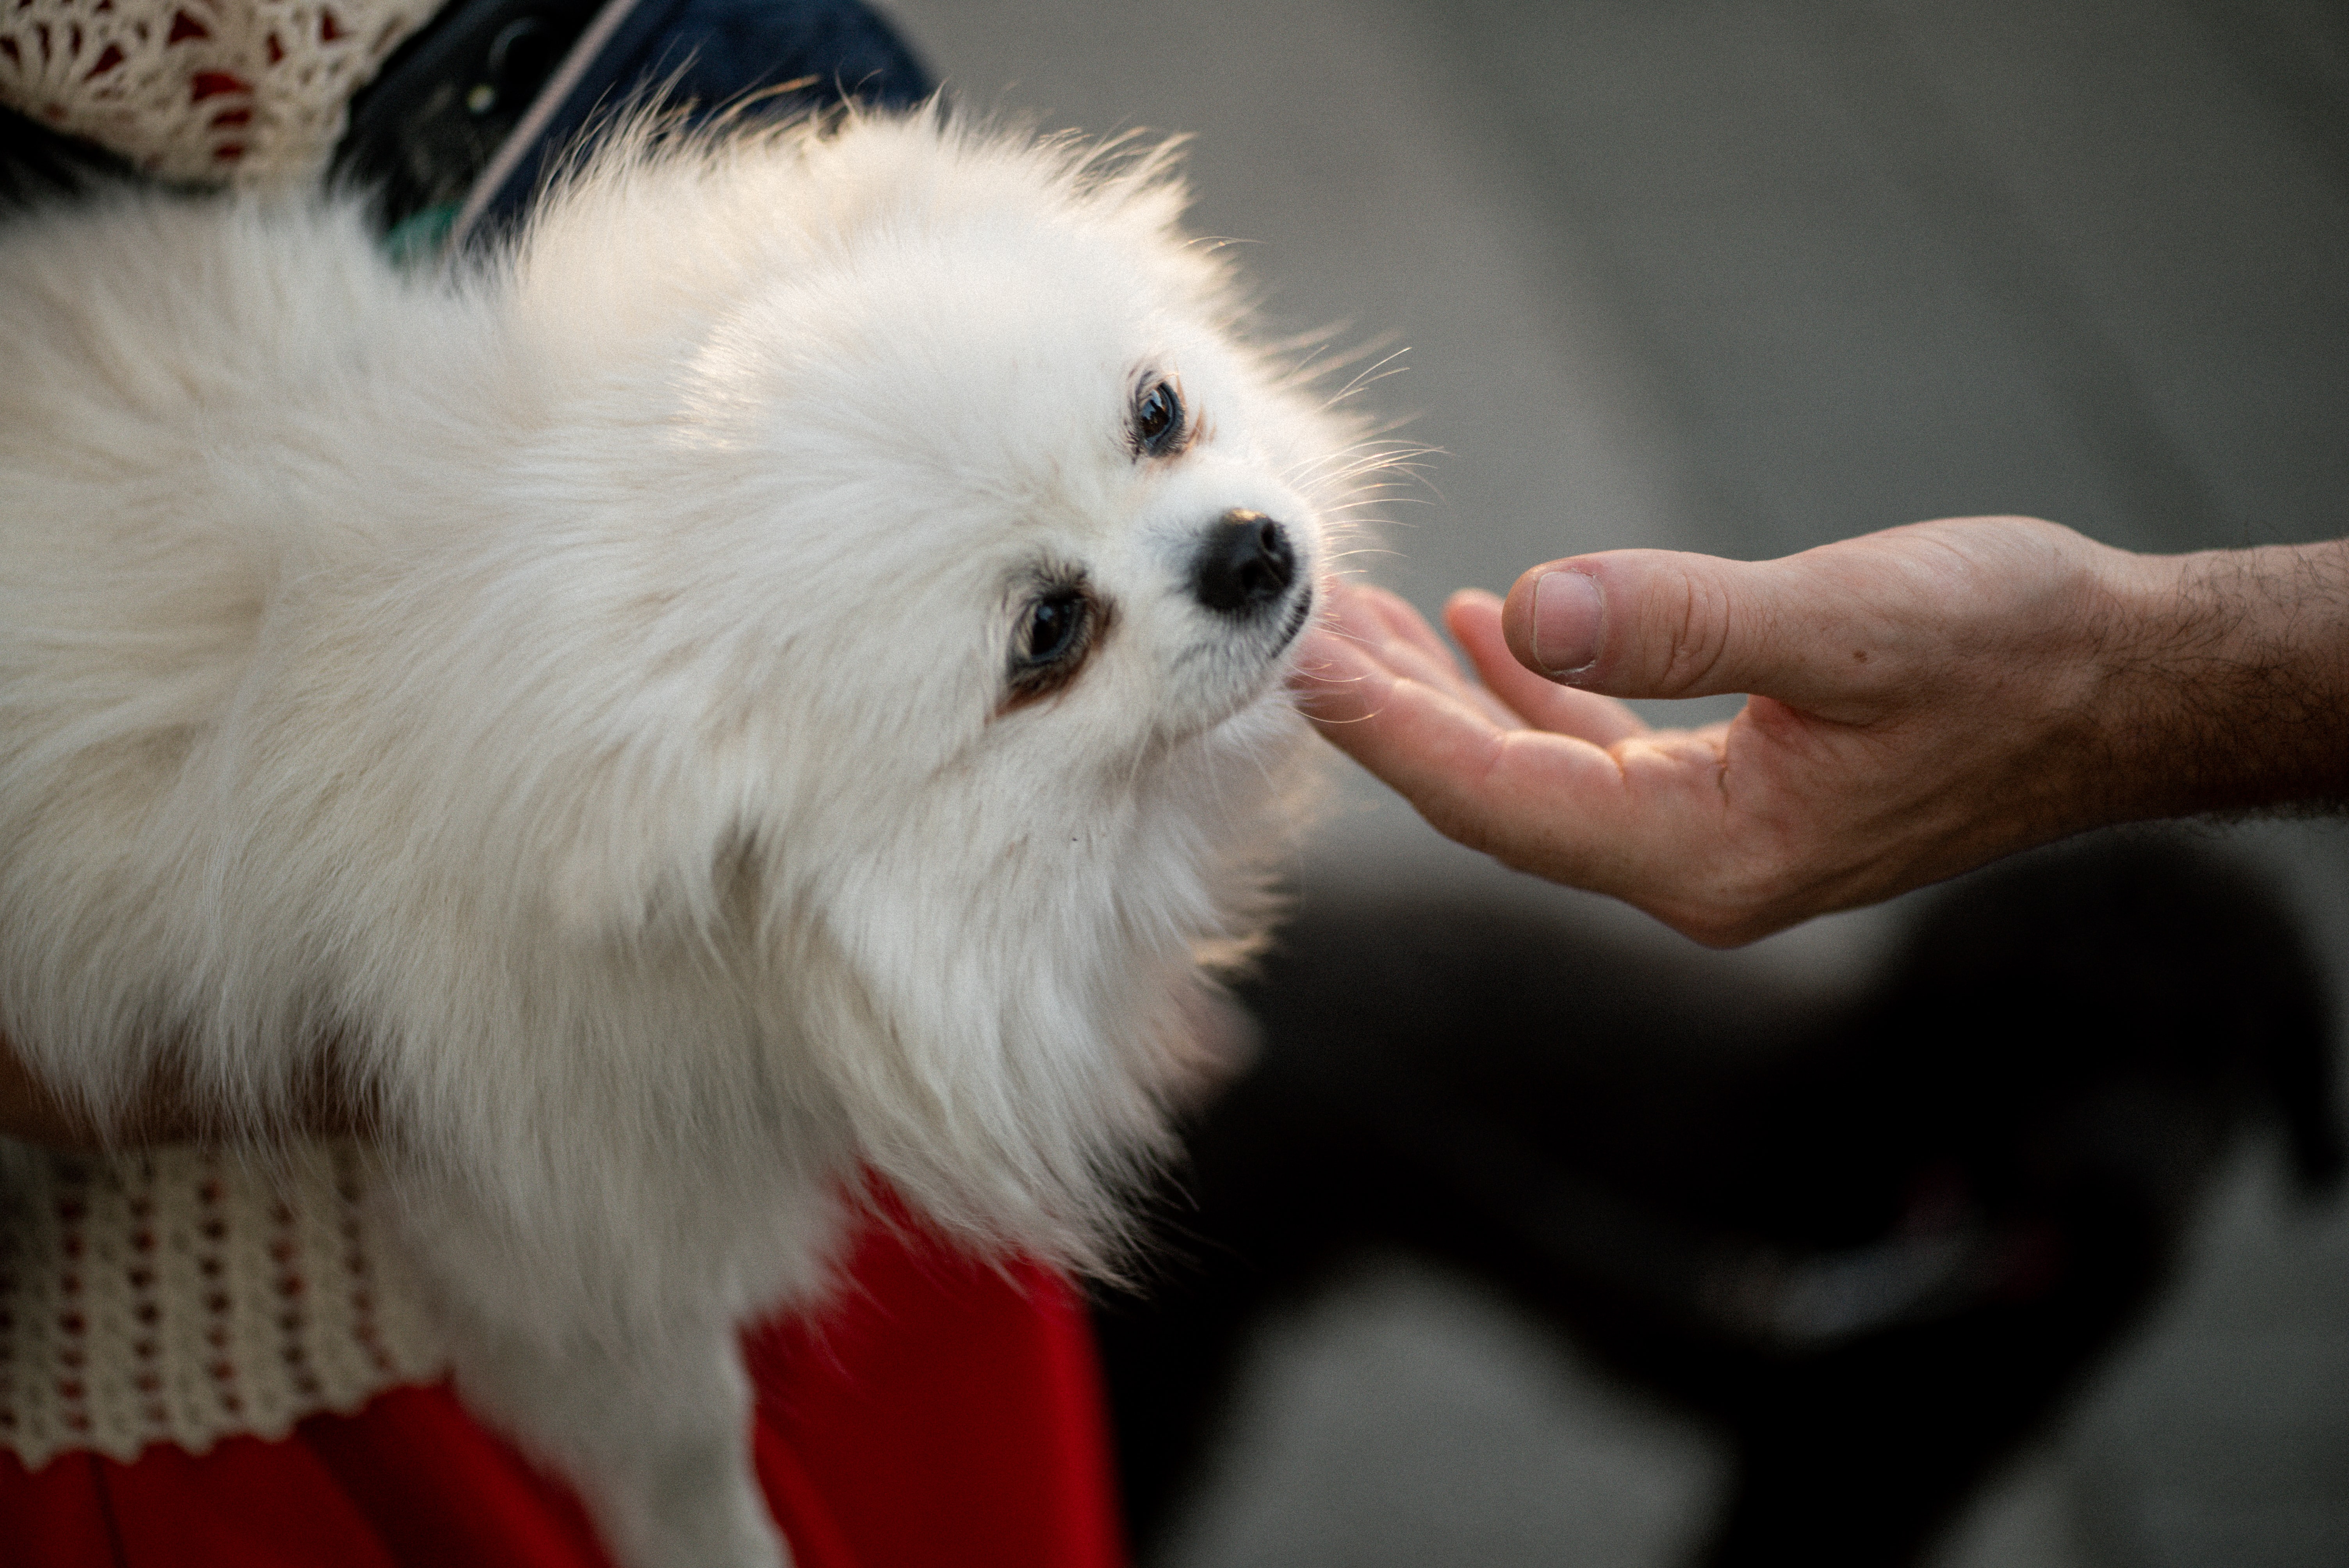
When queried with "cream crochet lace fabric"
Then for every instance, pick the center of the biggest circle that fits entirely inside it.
(181, 1295)
(250, 92)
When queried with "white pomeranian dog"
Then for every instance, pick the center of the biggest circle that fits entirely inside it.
(777, 676)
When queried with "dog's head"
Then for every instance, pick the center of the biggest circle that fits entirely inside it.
(915, 555)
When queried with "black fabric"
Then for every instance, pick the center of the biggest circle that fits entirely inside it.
(431, 122)
(423, 130)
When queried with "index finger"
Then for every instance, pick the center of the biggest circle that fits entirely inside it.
(1486, 785)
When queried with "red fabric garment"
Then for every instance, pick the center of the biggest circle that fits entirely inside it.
(941, 1411)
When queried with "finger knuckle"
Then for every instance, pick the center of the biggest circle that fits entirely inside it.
(1697, 634)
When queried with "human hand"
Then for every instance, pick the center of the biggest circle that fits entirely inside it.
(1924, 699)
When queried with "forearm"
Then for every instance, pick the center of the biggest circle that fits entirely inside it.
(2229, 683)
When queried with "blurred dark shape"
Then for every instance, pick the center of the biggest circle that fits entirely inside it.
(1877, 1250)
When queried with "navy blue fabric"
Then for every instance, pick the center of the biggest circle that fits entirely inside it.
(714, 54)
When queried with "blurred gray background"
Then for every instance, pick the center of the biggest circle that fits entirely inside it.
(1746, 277)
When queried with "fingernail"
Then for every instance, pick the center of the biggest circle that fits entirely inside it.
(1570, 612)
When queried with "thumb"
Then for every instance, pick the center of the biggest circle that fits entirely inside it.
(1662, 623)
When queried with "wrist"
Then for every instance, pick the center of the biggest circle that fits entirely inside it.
(2226, 681)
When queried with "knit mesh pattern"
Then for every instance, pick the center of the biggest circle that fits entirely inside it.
(248, 92)
(182, 1295)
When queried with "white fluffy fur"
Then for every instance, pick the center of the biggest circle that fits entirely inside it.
(565, 704)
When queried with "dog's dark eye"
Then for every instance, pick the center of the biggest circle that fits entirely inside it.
(1158, 420)
(1054, 625)
(1055, 636)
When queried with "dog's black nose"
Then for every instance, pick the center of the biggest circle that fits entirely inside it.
(1245, 564)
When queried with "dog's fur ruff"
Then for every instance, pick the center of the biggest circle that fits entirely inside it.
(565, 706)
